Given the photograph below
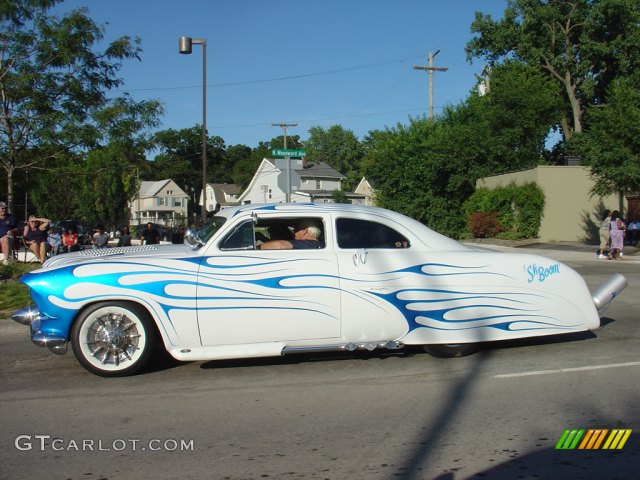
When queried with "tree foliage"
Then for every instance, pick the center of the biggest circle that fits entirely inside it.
(51, 82)
(581, 44)
(339, 148)
(428, 169)
(612, 146)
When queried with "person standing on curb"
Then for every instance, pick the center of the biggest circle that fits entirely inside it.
(617, 236)
(605, 232)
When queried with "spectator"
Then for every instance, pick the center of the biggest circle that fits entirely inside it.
(617, 235)
(124, 240)
(35, 236)
(8, 231)
(150, 235)
(605, 236)
(633, 230)
(54, 239)
(70, 241)
(100, 239)
(178, 236)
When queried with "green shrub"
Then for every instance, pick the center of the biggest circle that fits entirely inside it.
(518, 208)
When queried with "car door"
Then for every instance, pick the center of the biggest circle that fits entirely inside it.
(373, 258)
(246, 295)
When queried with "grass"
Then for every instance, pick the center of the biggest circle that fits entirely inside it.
(13, 293)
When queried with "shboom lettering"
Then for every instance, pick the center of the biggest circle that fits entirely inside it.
(540, 273)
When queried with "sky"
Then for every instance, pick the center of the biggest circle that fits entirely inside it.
(309, 62)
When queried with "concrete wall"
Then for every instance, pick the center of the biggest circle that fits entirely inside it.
(570, 213)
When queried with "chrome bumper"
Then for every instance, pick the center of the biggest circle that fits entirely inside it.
(30, 315)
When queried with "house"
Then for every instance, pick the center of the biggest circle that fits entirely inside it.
(366, 188)
(307, 182)
(223, 194)
(162, 202)
(570, 213)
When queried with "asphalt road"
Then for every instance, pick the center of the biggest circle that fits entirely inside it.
(496, 414)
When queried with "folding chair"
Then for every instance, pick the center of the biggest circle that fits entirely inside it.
(29, 256)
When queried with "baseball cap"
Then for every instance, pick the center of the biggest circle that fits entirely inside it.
(3, 205)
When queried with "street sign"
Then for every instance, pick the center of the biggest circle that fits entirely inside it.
(288, 153)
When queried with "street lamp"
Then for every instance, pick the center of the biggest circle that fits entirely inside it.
(184, 46)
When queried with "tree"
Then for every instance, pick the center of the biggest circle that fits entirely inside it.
(338, 148)
(428, 169)
(180, 155)
(581, 44)
(611, 148)
(51, 81)
(245, 168)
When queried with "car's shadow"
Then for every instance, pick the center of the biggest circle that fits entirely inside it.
(163, 361)
(307, 357)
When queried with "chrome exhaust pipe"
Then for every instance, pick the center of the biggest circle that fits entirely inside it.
(609, 290)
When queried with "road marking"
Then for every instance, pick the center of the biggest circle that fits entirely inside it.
(563, 370)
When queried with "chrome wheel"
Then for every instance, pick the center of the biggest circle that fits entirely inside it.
(113, 339)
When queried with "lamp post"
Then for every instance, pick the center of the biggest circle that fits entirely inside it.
(184, 46)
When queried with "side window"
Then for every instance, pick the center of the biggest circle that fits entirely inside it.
(285, 228)
(241, 238)
(353, 233)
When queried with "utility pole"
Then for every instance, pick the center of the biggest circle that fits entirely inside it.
(483, 86)
(284, 128)
(431, 69)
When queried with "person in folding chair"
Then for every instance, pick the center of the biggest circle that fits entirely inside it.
(35, 236)
(8, 231)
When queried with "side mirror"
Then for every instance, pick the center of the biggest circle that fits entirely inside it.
(192, 239)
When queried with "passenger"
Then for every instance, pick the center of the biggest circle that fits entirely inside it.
(35, 236)
(279, 232)
(305, 235)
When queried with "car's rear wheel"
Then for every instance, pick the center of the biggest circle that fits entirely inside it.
(113, 339)
(451, 350)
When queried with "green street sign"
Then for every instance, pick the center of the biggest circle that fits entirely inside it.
(288, 153)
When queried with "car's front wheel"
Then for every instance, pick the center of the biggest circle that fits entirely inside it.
(113, 339)
(451, 350)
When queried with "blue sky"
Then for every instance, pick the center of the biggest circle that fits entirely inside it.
(310, 62)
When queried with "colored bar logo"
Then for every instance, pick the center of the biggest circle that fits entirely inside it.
(593, 439)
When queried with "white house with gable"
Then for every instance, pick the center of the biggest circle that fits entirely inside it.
(162, 202)
(307, 182)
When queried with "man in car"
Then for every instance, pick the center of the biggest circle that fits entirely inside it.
(306, 235)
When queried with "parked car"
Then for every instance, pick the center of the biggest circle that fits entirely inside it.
(378, 280)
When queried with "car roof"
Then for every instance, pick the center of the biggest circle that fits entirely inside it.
(421, 232)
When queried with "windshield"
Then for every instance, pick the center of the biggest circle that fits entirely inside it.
(210, 228)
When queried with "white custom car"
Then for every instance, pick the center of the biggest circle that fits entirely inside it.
(378, 280)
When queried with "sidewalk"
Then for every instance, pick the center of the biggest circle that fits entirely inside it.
(566, 250)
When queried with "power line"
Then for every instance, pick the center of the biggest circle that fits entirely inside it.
(274, 79)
